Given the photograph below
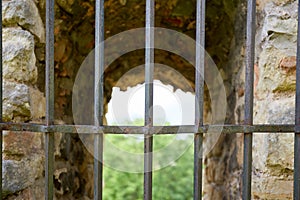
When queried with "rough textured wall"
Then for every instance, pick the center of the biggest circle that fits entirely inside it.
(274, 87)
(223, 163)
(74, 40)
(23, 68)
(23, 61)
(23, 157)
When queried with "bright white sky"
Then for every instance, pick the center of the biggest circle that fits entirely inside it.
(177, 108)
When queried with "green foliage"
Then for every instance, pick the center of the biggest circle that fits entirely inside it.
(176, 181)
(172, 182)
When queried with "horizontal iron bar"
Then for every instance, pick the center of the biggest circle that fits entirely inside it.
(184, 129)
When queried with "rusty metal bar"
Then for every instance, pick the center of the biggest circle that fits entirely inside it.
(98, 98)
(297, 119)
(199, 93)
(250, 48)
(1, 105)
(49, 137)
(198, 142)
(149, 70)
(185, 129)
(49, 169)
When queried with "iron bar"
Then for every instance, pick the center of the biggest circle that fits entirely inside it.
(98, 98)
(49, 169)
(297, 119)
(297, 166)
(198, 142)
(1, 92)
(184, 129)
(199, 96)
(149, 70)
(49, 137)
(250, 48)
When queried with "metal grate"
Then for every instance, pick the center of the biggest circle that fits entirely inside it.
(98, 129)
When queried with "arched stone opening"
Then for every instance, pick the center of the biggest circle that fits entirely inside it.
(74, 39)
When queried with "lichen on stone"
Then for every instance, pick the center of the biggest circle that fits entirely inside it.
(285, 88)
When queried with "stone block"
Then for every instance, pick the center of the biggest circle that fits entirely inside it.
(23, 160)
(37, 104)
(18, 56)
(16, 104)
(17, 145)
(23, 13)
(266, 187)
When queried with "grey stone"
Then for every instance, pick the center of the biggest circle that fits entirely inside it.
(18, 175)
(35, 191)
(18, 56)
(273, 153)
(23, 13)
(23, 160)
(280, 19)
(16, 105)
(37, 104)
(277, 40)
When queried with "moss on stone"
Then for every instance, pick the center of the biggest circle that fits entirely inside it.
(285, 87)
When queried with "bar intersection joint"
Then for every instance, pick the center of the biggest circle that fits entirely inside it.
(49, 137)
(250, 48)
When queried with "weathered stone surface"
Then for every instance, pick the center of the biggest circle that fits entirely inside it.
(23, 13)
(35, 191)
(288, 63)
(280, 19)
(66, 5)
(273, 153)
(19, 145)
(23, 160)
(17, 175)
(261, 4)
(37, 104)
(275, 100)
(266, 187)
(277, 39)
(16, 105)
(18, 56)
(215, 192)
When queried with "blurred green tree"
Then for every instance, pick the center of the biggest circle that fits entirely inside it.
(174, 182)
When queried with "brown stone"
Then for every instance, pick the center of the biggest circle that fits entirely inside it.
(17, 145)
(288, 63)
(241, 92)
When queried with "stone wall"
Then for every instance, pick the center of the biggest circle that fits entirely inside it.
(275, 83)
(24, 101)
(274, 97)
(223, 165)
(23, 154)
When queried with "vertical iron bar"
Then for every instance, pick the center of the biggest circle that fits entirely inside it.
(49, 137)
(297, 119)
(198, 143)
(250, 48)
(1, 85)
(199, 91)
(98, 98)
(149, 69)
(297, 163)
